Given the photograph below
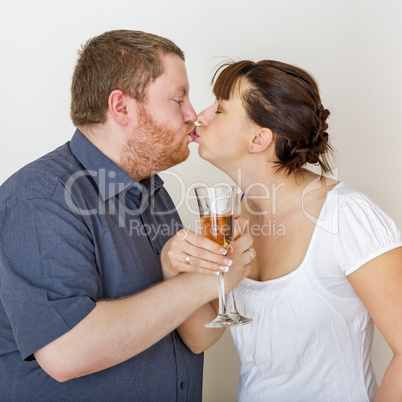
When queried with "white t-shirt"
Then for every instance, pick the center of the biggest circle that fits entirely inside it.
(311, 336)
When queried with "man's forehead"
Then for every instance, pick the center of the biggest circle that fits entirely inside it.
(174, 78)
(174, 67)
(176, 86)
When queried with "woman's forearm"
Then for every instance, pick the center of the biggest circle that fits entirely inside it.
(195, 335)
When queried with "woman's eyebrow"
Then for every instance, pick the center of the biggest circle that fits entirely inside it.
(221, 103)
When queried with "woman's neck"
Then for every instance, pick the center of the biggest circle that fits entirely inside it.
(268, 191)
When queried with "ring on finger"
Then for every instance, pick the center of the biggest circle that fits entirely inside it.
(250, 254)
(187, 260)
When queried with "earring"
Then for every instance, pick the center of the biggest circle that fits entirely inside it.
(250, 151)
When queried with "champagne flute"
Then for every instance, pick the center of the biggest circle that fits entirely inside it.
(235, 315)
(216, 206)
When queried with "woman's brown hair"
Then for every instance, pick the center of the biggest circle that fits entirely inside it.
(121, 59)
(285, 99)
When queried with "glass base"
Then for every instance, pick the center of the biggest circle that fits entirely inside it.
(239, 318)
(224, 320)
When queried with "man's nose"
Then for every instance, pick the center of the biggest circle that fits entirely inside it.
(190, 115)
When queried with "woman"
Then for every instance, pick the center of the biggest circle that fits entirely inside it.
(328, 261)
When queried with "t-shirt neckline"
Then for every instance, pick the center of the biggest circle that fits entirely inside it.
(299, 269)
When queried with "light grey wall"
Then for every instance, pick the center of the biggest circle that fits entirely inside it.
(352, 47)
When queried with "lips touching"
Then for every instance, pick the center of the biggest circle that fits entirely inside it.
(193, 134)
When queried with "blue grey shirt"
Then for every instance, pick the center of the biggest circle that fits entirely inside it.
(75, 229)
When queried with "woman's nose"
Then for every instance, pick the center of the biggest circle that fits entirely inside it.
(202, 118)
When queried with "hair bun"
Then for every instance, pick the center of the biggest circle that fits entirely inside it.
(321, 116)
(312, 149)
(318, 141)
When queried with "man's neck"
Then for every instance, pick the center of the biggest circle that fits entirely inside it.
(111, 145)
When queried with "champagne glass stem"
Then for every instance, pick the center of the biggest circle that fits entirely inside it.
(221, 287)
(234, 303)
(234, 314)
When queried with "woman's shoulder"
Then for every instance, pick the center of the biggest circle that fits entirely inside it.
(349, 198)
(352, 208)
(346, 191)
(363, 229)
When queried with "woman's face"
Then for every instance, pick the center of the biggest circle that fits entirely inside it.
(225, 131)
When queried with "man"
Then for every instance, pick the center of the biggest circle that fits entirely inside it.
(84, 311)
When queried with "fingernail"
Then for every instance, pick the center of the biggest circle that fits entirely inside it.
(224, 269)
(223, 251)
(227, 262)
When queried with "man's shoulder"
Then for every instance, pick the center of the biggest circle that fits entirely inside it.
(40, 178)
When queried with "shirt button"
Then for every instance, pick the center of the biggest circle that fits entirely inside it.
(182, 385)
(157, 251)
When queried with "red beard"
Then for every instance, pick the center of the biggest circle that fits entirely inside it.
(152, 148)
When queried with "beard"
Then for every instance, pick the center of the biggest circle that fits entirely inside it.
(152, 148)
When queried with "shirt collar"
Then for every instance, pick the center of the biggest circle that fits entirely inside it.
(109, 178)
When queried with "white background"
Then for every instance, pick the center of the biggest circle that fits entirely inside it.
(352, 47)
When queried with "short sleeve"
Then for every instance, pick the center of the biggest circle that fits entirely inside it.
(49, 281)
(365, 232)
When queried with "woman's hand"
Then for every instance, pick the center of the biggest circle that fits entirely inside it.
(190, 252)
(187, 251)
(241, 256)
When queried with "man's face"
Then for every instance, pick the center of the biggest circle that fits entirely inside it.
(160, 137)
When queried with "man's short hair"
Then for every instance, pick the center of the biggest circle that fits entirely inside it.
(122, 59)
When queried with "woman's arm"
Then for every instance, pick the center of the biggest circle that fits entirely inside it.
(192, 331)
(379, 285)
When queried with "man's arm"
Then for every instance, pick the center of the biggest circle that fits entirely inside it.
(117, 330)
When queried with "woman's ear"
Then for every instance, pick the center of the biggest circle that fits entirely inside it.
(262, 140)
(119, 107)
